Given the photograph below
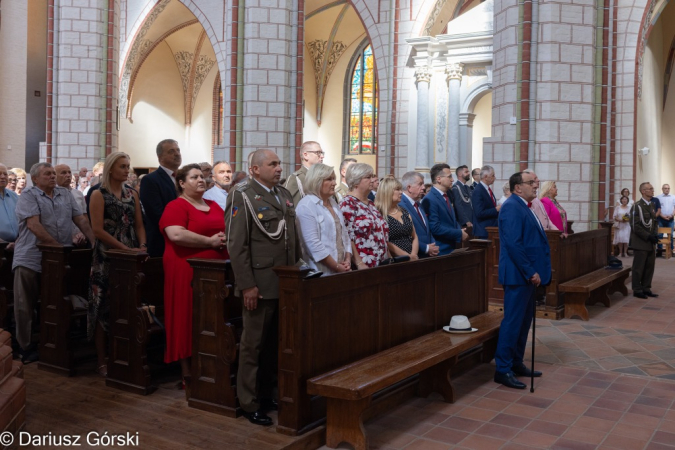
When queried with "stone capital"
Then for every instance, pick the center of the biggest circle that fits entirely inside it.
(422, 74)
(454, 71)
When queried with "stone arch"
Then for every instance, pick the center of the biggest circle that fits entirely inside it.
(473, 97)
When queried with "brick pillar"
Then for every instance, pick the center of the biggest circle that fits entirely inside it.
(82, 68)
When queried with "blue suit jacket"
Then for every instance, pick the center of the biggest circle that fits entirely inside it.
(463, 210)
(157, 190)
(444, 227)
(523, 245)
(485, 213)
(423, 231)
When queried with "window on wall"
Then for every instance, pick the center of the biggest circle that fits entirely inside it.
(362, 104)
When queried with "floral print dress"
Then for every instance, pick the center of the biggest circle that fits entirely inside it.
(118, 221)
(367, 229)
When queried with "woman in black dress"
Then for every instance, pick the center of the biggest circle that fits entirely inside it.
(402, 238)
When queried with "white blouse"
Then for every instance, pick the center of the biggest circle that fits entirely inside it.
(316, 228)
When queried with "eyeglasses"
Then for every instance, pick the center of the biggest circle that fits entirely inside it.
(318, 152)
(531, 182)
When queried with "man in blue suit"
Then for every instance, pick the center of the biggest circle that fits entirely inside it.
(413, 185)
(485, 207)
(157, 190)
(524, 264)
(436, 203)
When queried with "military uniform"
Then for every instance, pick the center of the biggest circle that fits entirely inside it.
(257, 241)
(340, 192)
(643, 224)
(296, 184)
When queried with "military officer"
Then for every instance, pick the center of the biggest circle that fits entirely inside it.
(643, 238)
(260, 218)
(310, 153)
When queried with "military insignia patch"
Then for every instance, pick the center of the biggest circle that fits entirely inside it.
(258, 197)
(289, 204)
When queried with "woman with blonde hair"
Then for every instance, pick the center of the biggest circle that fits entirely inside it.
(325, 242)
(548, 192)
(20, 179)
(367, 228)
(115, 214)
(402, 238)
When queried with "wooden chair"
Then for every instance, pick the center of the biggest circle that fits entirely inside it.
(665, 239)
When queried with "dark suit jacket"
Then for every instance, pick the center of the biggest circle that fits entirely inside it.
(422, 229)
(484, 211)
(444, 227)
(463, 210)
(157, 190)
(523, 245)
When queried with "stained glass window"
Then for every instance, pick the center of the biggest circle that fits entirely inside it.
(363, 104)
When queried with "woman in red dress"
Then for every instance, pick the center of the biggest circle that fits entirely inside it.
(192, 228)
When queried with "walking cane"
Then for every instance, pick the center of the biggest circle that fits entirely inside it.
(534, 328)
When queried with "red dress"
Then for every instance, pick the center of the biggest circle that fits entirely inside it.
(178, 272)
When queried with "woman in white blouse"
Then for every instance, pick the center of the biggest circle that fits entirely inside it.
(325, 242)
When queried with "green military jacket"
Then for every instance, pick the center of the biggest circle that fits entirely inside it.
(252, 214)
(641, 214)
(296, 184)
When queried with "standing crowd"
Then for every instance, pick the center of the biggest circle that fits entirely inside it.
(333, 226)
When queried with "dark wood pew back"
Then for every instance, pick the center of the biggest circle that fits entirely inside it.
(328, 322)
(6, 286)
(216, 331)
(65, 271)
(134, 280)
(572, 257)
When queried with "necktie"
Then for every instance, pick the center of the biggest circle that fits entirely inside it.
(492, 196)
(447, 201)
(417, 208)
(529, 204)
(173, 174)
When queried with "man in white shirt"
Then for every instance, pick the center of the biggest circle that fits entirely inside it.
(222, 177)
(667, 209)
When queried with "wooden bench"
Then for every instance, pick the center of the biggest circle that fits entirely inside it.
(665, 240)
(134, 280)
(65, 271)
(350, 388)
(594, 287)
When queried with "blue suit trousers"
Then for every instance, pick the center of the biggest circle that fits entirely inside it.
(518, 310)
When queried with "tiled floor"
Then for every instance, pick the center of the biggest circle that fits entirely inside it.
(608, 383)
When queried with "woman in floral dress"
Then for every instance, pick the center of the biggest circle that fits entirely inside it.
(117, 224)
(367, 228)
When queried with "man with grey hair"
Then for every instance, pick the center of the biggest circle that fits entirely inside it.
(222, 178)
(310, 154)
(9, 227)
(157, 190)
(342, 189)
(63, 178)
(485, 207)
(643, 240)
(45, 213)
(539, 209)
(413, 185)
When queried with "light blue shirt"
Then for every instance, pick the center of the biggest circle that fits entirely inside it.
(9, 225)
(218, 195)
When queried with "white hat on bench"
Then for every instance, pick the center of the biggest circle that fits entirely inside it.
(459, 324)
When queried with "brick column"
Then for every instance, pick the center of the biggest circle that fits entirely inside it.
(82, 72)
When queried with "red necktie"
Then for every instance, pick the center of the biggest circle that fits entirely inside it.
(529, 204)
(447, 201)
(173, 174)
(492, 196)
(417, 208)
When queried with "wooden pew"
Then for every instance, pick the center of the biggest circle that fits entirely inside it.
(594, 287)
(350, 389)
(134, 280)
(573, 257)
(325, 323)
(216, 331)
(65, 271)
(6, 286)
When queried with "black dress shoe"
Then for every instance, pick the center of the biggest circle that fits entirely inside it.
(28, 356)
(651, 294)
(508, 380)
(524, 371)
(269, 404)
(259, 418)
(639, 295)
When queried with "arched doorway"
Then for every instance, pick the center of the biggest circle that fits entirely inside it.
(170, 88)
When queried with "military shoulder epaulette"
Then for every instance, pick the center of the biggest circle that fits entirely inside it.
(241, 187)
